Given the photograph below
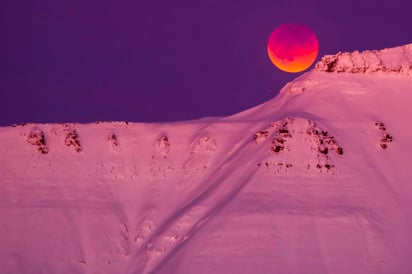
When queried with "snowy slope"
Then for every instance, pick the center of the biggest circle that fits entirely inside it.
(316, 180)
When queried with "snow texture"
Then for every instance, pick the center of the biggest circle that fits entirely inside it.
(316, 180)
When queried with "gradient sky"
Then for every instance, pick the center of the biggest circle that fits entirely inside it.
(150, 61)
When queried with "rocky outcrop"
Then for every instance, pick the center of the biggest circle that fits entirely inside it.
(396, 60)
(72, 139)
(36, 138)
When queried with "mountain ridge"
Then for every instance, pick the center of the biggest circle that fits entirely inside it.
(397, 60)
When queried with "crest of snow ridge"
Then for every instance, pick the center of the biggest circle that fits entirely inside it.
(396, 60)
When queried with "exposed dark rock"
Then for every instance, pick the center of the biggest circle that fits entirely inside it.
(386, 137)
(323, 150)
(260, 136)
(37, 138)
(280, 138)
(72, 139)
(112, 139)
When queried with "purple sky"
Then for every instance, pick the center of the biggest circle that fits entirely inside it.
(149, 61)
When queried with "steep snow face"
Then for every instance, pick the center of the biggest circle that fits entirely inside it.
(316, 180)
(394, 60)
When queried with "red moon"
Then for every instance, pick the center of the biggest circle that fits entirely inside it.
(293, 47)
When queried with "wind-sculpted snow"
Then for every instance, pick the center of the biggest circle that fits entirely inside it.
(316, 180)
(389, 61)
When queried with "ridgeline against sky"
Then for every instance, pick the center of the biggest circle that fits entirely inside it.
(95, 60)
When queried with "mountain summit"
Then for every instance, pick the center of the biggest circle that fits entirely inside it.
(316, 180)
(394, 60)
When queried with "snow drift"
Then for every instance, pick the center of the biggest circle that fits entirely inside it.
(316, 180)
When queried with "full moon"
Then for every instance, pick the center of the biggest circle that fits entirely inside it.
(293, 47)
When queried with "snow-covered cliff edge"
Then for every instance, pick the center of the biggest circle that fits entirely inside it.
(392, 60)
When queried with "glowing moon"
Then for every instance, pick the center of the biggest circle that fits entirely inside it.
(293, 47)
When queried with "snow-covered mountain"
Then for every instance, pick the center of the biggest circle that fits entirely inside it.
(316, 180)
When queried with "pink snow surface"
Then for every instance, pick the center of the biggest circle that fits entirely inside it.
(316, 180)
